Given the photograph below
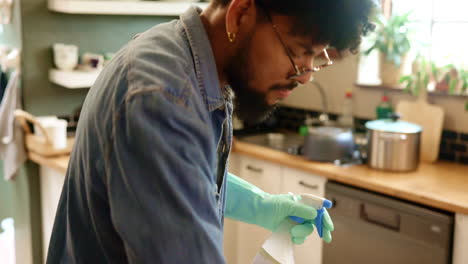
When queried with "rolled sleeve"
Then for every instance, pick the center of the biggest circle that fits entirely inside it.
(163, 192)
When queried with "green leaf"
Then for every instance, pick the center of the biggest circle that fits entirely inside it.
(464, 87)
(426, 81)
(391, 36)
(369, 50)
(409, 87)
(466, 106)
(452, 85)
(405, 78)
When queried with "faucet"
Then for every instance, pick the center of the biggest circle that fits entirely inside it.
(323, 117)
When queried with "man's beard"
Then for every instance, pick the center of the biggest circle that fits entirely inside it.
(249, 105)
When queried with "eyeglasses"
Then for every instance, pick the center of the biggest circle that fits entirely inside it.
(304, 70)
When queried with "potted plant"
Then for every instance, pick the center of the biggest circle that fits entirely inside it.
(447, 79)
(391, 39)
(423, 72)
(426, 75)
(454, 80)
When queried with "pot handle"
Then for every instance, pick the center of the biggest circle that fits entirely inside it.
(394, 116)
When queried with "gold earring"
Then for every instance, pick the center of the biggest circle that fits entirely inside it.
(231, 36)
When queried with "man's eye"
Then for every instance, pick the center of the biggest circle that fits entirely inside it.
(293, 54)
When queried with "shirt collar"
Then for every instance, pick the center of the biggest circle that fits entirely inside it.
(205, 65)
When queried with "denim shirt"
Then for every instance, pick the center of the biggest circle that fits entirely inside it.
(145, 179)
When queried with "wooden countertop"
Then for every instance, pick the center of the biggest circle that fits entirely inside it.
(442, 185)
(59, 163)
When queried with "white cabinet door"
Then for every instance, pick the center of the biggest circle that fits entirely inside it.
(298, 182)
(460, 254)
(51, 182)
(266, 176)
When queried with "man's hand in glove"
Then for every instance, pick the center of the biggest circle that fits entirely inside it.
(247, 203)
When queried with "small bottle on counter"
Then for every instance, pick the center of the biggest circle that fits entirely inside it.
(346, 119)
(384, 108)
(304, 129)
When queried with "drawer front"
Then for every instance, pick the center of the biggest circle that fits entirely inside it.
(298, 182)
(266, 176)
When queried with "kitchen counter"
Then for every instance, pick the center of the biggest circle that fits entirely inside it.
(442, 185)
(59, 163)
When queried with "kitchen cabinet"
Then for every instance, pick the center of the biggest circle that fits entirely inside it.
(290, 180)
(460, 254)
(298, 182)
(271, 178)
(51, 183)
(266, 176)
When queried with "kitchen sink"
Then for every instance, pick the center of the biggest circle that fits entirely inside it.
(292, 143)
(285, 142)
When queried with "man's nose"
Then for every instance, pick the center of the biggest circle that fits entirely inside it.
(306, 65)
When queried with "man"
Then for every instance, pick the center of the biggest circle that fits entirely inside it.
(147, 180)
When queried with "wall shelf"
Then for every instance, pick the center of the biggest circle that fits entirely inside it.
(131, 7)
(73, 79)
(401, 89)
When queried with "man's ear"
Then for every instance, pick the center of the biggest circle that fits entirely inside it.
(240, 14)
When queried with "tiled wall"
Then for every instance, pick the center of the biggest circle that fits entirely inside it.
(453, 147)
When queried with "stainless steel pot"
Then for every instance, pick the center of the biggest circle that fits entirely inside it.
(328, 144)
(393, 145)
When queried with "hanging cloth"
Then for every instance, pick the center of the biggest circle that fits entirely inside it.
(12, 150)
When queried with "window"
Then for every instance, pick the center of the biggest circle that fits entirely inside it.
(442, 25)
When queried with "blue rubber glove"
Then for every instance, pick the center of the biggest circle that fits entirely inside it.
(300, 232)
(247, 203)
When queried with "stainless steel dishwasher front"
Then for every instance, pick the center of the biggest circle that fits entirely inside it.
(376, 229)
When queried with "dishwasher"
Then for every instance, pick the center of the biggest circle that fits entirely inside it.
(372, 228)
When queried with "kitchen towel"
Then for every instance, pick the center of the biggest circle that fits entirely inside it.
(12, 150)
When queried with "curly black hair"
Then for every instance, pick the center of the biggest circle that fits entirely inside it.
(340, 23)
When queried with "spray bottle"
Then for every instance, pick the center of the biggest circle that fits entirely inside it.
(278, 248)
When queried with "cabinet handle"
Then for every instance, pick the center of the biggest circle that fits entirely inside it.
(389, 220)
(254, 169)
(310, 186)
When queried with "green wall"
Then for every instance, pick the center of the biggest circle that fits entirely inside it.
(19, 198)
(35, 29)
(95, 33)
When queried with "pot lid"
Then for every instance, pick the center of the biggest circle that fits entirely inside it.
(389, 125)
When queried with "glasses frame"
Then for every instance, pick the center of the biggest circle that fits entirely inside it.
(304, 70)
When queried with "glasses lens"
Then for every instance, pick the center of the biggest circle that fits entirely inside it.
(322, 61)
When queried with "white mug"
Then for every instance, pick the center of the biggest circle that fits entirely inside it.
(65, 56)
(56, 130)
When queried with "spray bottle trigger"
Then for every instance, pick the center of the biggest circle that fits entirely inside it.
(318, 221)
